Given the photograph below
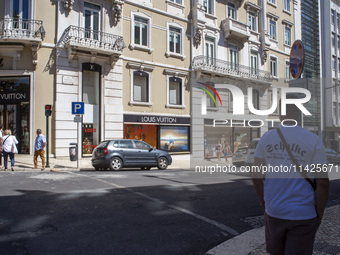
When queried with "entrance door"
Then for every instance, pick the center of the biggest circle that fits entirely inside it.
(16, 118)
(15, 109)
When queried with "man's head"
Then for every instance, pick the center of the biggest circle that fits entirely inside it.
(292, 111)
(39, 131)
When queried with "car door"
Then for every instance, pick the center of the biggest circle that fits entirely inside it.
(128, 152)
(146, 155)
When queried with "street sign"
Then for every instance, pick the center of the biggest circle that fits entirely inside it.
(297, 59)
(78, 108)
(77, 118)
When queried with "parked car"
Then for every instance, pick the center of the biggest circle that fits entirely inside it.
(332, 156)
(239, 157)
(120, 153)
(251, 151)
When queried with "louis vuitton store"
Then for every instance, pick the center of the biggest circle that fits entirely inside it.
(15, 109)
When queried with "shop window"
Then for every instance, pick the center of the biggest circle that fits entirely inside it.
(175, 91)
(146, 133)
(174, 138)
(91, 99)
(140, 86)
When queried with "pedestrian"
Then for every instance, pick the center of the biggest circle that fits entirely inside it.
(39, 149)
(226, 151)
(1, 144)
(9, 142)
(292, 207)
(218, 150)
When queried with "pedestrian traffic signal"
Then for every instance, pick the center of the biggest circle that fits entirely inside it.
(48, 110)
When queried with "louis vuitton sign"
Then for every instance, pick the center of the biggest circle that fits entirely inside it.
(13, 97)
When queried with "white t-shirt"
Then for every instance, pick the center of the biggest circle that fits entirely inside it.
(286, 194)
(8, 143)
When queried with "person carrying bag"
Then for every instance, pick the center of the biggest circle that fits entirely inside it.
(9, 148)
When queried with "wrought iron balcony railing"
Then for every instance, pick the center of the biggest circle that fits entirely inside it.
(87, 38)
(11, 28)
(227, 68)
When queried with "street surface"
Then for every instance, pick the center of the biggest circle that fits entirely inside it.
(126, 212)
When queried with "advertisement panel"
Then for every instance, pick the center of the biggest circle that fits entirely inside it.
(174, 138)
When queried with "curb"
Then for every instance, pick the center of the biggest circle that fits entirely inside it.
(241, 244)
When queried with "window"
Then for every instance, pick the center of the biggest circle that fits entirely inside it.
(209, 50)
(21, 10)
(92, 20)
(288, 39)
(210, 101)
(272, 1)
(125, 144)
(339, 64)
(334, 63)
(175, 40)
(175, 91)
(288, 75)
(209, 6)
(272, 29)
(338, 42)
(256, 99)
(232, 11)
(253, 63)
(176, 1)
(252, 21)
(233, 56)
(334, 109)
(338, 21)
(273, 66)
(287, 5)
(333, 40)
(141, 31)
(142, 145)
(333, 16)
(140, 86)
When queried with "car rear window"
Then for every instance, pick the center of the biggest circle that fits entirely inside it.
(126, 144)
(103, 144)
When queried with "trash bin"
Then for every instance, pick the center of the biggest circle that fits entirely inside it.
(73, 151)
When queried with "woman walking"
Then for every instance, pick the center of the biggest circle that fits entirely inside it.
(226, 151)
(9, 141)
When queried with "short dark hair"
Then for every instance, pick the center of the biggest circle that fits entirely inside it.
(39, 131)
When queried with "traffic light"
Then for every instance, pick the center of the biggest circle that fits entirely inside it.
(48, 110)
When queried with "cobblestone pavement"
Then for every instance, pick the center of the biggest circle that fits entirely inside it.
(327, 238)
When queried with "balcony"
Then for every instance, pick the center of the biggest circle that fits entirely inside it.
(80, 40)
(225, 68)
(233, 29)
(14, 30)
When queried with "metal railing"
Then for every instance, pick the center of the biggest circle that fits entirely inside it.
(21, 28)
(92, 39)
(229, 68)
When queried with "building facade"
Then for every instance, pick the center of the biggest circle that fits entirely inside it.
(245, 44)
(27, 33)
(156, 62)
(330, 22)
(89, 44)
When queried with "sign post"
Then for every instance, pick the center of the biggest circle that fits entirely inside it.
(78, 110)
(48, 112)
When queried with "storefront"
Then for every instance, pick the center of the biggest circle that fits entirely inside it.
(235, 137)
(15, 109)
(167, 133)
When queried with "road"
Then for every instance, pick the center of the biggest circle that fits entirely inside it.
(126, 212)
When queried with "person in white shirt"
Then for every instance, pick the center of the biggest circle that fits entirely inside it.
(8, 141)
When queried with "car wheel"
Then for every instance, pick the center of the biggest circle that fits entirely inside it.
(116, 164)
(162, 163)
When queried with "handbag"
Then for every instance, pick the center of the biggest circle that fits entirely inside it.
(301, 169)
(14, 148)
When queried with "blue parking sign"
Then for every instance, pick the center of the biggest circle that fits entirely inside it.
(78, 108)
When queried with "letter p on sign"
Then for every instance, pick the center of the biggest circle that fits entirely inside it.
(78, 107)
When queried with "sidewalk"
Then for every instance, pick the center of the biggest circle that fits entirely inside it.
(252, 242)
(24, 162)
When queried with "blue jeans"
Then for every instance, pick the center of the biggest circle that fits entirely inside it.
(11, 156)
